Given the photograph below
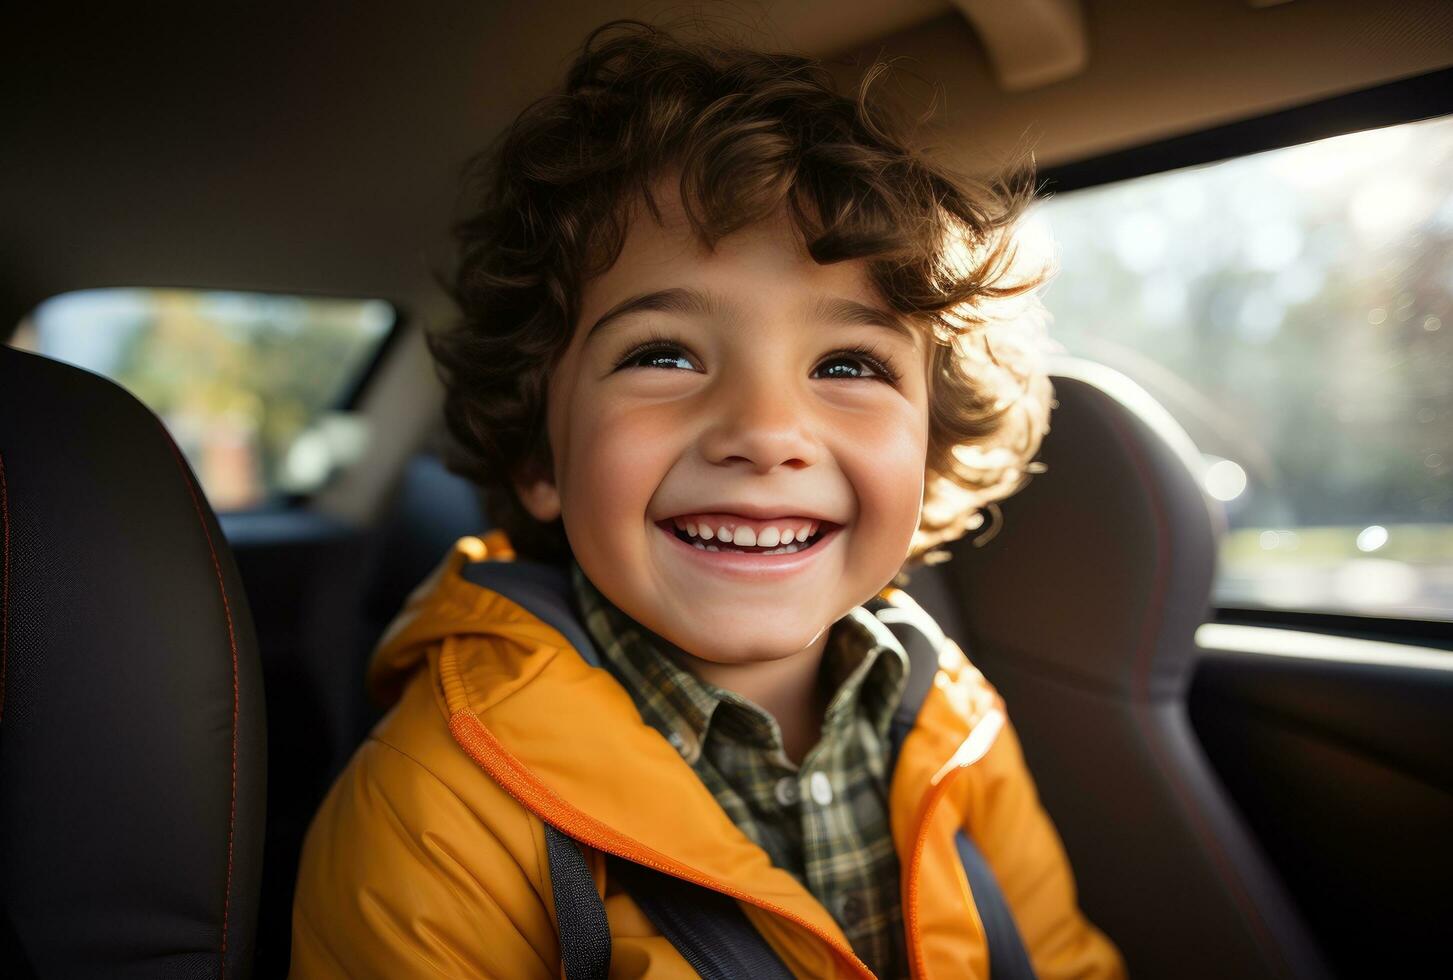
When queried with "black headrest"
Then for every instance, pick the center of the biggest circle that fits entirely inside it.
(1101, 572)
(132, 743)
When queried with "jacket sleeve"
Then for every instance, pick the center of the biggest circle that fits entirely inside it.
(1022, 846)
(399, 878)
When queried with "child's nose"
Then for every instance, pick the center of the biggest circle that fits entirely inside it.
(761, 421)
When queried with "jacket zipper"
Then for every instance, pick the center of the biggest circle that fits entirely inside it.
(973, 748)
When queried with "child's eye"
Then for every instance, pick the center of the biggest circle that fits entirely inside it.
(861, 356)
(654, 354)
(669, 355)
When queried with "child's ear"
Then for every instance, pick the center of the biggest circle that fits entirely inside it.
(540, 496)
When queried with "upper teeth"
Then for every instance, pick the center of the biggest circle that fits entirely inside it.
(767, 537)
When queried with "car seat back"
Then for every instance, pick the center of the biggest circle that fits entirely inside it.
(1081, 606)
(132, 743)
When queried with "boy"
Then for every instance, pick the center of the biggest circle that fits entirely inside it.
(719, 362)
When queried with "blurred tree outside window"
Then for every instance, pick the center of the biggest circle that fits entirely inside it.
(250, 385)
(1293, 310)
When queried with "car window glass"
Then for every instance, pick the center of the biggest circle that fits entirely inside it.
(1294, 310)
(252, 386)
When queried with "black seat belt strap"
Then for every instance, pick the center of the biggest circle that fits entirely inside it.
(579, 912)
(708, 929)
(1008, 959)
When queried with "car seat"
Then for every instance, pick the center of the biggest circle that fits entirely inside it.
(132, 743)
(1081, 606)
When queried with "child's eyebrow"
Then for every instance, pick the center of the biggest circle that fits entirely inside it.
(681, 300)
(676, 300)
(836, 309)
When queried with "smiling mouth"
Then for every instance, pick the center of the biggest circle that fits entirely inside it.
(717, 545)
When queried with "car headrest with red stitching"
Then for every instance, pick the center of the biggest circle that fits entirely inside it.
(132, 741)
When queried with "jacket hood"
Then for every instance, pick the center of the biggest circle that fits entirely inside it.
(439, 607)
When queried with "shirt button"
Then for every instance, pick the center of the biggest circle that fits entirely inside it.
(820, 788)
(786, 791)
(852, 910)
(678, 742)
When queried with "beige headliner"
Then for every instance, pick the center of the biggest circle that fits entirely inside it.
(319, 152)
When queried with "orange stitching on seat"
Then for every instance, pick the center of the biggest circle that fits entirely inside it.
(232, 642)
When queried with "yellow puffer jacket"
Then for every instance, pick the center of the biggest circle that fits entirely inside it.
(427, 857)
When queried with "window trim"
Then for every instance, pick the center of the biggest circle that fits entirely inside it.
(1406, 100)
(352, 396)
(1367, 626)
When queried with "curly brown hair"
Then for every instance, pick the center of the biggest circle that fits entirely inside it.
(748, 133)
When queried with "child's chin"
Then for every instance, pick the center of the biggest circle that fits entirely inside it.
(747, 646)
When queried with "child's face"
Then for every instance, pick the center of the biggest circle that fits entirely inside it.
(748, 409)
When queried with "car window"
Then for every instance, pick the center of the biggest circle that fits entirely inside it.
(252, 386)
(1294, 310)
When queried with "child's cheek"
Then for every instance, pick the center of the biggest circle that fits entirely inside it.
(885, 461)
(615, 463)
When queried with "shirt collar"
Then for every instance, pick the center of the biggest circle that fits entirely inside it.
(864, 667)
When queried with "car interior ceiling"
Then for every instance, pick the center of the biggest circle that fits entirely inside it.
(317, 152)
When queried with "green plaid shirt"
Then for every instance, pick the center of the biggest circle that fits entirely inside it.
(826, 821)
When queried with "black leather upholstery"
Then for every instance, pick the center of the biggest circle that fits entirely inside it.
(1081, 607)
(132, 743)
